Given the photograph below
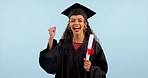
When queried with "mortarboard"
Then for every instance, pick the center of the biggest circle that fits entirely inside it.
(78, 9)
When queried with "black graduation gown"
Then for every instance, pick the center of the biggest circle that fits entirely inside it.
(63, 61)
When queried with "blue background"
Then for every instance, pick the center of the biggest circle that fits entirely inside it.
(121, 26)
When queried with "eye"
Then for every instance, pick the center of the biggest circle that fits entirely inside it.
(72, 20)
(80, 21)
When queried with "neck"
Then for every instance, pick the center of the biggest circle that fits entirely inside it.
(78, 38)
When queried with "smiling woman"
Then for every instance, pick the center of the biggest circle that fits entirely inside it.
(67, 58)
(120, 25)
(77, 24)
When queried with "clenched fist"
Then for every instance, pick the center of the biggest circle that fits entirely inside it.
(52, 32)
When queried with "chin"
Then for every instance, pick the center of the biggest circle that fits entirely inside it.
(76, 33)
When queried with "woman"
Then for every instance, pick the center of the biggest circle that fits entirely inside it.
(66, 59)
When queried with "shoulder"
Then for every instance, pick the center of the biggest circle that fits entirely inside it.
(63, 42)
(97, 44)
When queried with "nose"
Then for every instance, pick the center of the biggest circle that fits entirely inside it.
(76, 22)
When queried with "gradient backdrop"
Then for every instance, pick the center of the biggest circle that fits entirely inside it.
(121, 26)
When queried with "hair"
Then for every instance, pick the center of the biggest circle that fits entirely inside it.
(68, 32)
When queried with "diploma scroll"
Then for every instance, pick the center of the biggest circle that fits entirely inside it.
(89, 47)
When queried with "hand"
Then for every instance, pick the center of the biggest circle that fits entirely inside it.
(52, 32)
(87, 64)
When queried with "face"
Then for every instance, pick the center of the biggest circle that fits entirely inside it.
(77, 24)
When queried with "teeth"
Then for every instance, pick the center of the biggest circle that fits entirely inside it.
(76, 27)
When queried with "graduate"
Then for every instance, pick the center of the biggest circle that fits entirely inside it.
(67, 58)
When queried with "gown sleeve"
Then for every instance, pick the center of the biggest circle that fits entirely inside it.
(99, 67)
(49, 60)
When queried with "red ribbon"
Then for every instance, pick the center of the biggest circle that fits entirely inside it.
(90, 51)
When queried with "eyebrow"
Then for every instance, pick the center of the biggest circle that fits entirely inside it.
(74, 18)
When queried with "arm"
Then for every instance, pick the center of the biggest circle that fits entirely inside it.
(52, 32)
(99, 67)
(49, 59)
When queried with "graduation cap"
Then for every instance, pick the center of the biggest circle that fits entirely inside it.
(78, 9)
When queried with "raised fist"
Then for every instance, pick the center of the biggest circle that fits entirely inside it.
(52, 32)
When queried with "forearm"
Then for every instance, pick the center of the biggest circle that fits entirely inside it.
(50, 42)
(49, 59)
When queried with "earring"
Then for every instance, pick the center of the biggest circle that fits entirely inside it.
(69, 28)
(84, 30)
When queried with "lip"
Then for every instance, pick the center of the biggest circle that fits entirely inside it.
(76, 27)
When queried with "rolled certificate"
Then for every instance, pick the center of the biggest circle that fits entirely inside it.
(89, 47)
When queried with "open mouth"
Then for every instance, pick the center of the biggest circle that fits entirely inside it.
(76, 27)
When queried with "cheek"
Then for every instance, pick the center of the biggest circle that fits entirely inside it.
(83, 25)
(69, 25)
